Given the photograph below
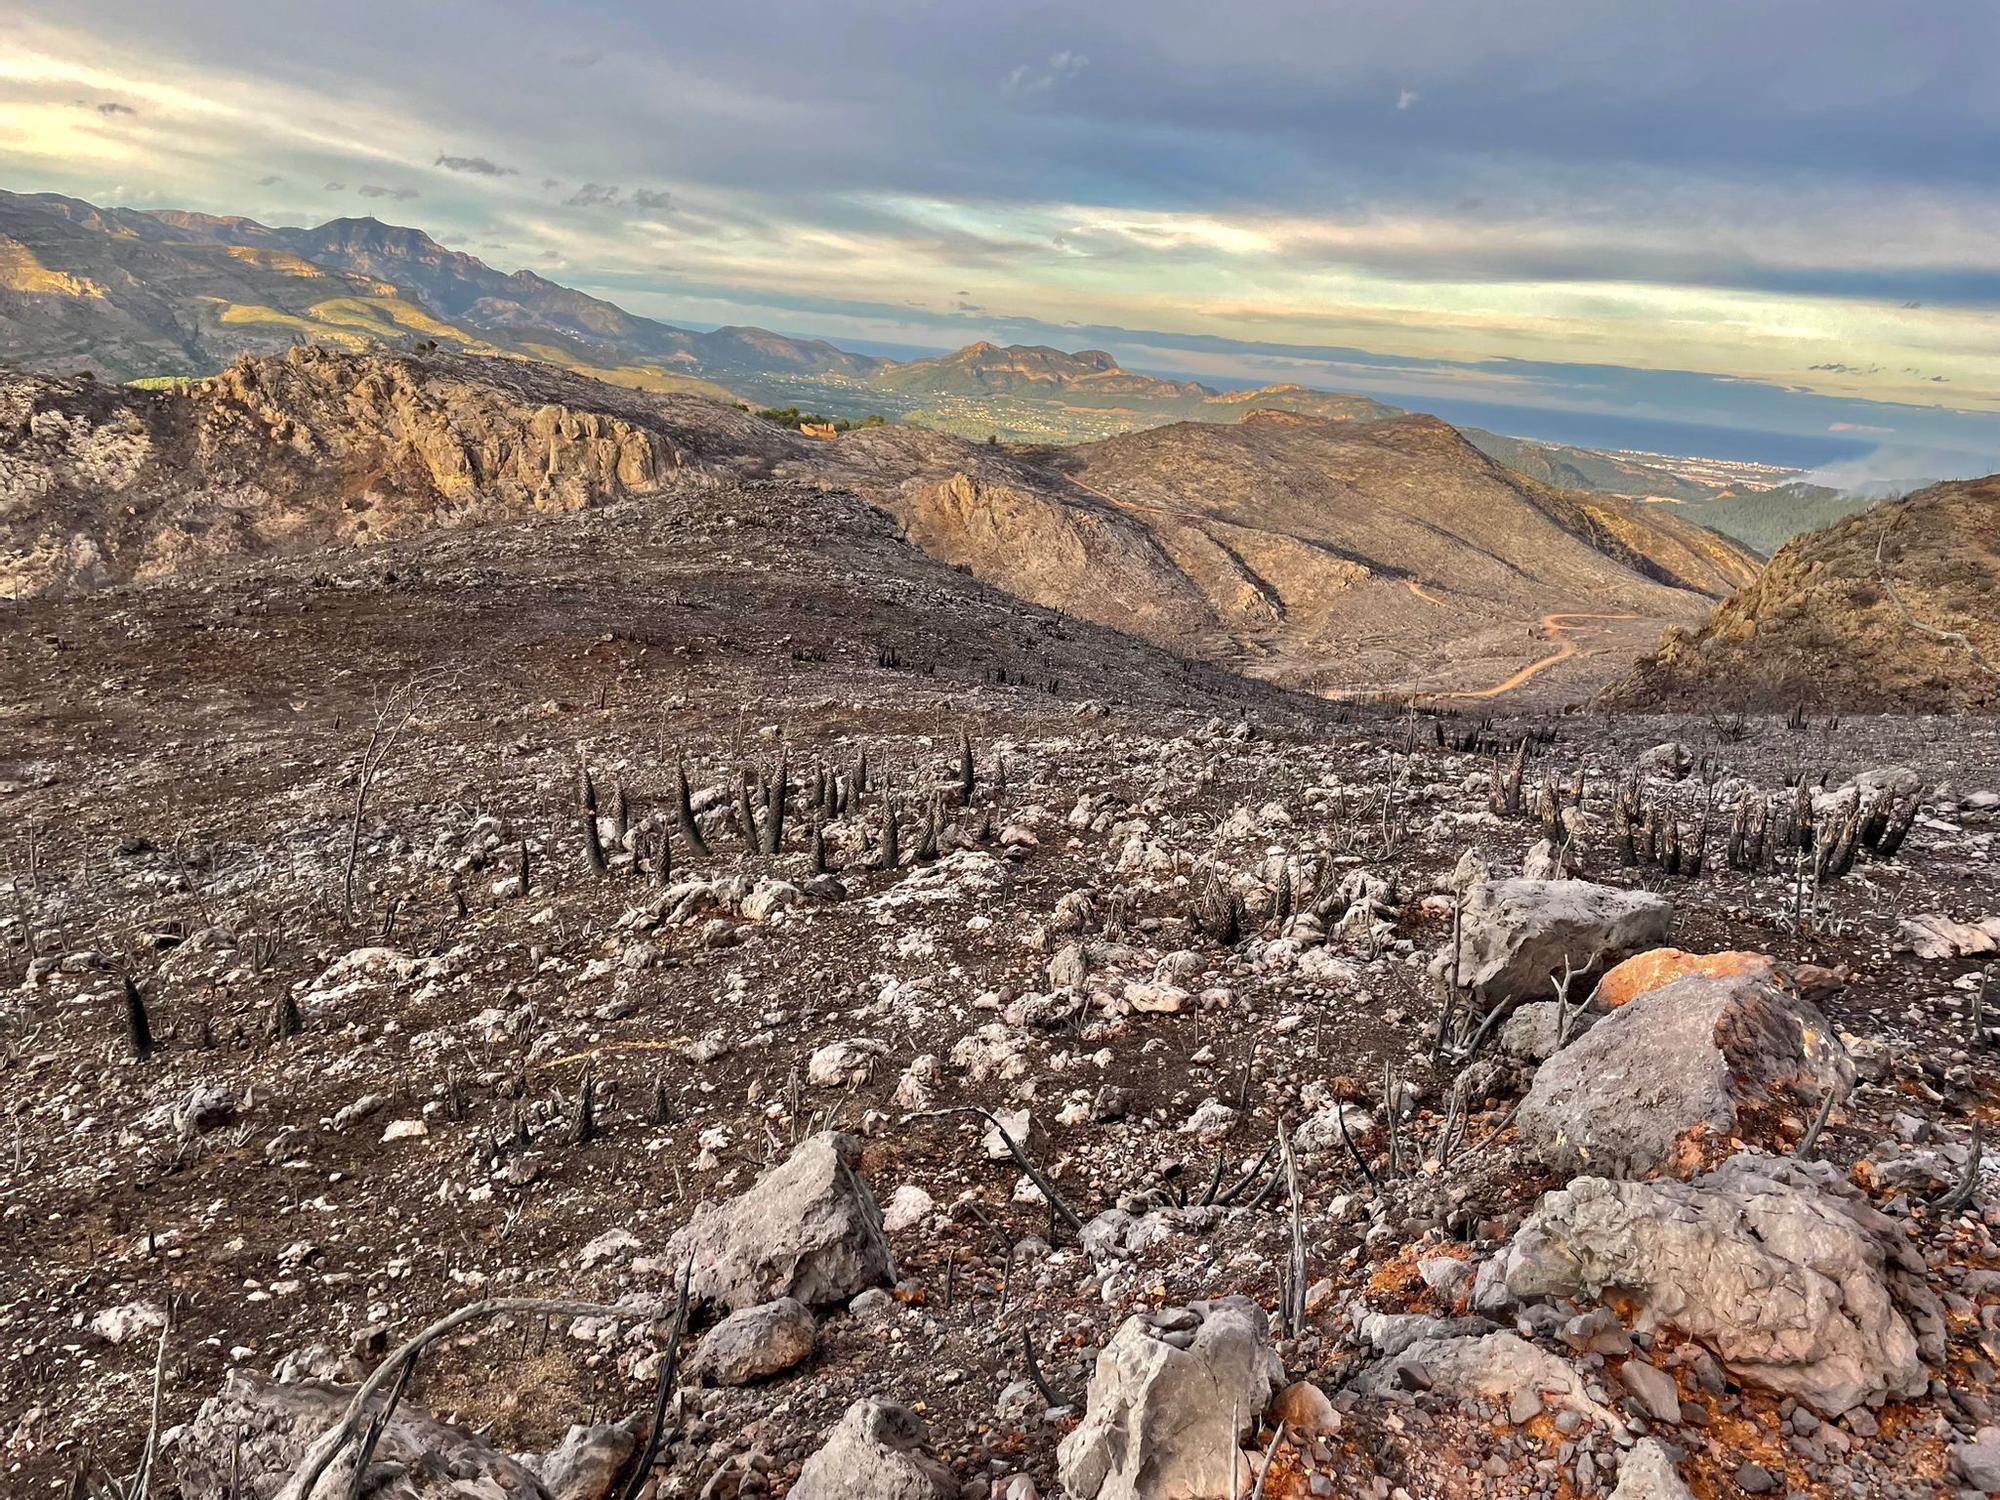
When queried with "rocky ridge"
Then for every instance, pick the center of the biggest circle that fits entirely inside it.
(1898, 607)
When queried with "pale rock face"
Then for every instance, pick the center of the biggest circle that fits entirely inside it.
(1672, 760)
(755, 1342)
(1517, 935)
(1173, 1395)
(1787, 1273)
(1646, 1473)
(256, 1426)
(908, 1207)
(844, 1064)
(1488, 1366)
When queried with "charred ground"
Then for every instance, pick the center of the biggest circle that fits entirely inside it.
(179, 790)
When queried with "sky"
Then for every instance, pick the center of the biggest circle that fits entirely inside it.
(1777, 219)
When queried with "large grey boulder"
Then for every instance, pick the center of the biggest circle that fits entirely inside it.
(755, 1343)
(1173, 1396)
(1534, 1033)
(1516, 935)
(807, 1229)
(261, 1430)
(1647, 1473)
(876, 1451)
(1667, 1081)
(1780, 1267)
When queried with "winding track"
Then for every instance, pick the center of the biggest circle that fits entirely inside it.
(1556, 628)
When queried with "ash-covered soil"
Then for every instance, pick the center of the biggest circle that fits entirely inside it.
(363, 1103)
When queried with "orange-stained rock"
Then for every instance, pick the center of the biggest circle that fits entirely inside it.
(1645, 972)
(1303, 1407)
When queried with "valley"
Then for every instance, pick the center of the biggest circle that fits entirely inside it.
(433, 922)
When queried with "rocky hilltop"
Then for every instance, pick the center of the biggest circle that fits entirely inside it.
(1320, 553)
(1897, 608)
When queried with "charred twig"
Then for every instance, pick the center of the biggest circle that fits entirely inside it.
(1809, 1142)
(329, 1445)
(1294, 1312)
(1270, 1453)
(669, 1365)
(377, 1425)
(1949, 637)
(1049, 1393)
(138, 1027)
(142, 1481)
(1367, 1172)
(1214, 1181)
(1248, 1177)
(382, 737)
(1014, 1149)
(1959, 1196)
(1492, 1135)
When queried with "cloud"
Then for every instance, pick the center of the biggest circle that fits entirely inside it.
(648, 198)
(478, 166)
(334, 187)
(1406, 98)
(269, 179)
(375, 190)
(594, 195)
(112, 107)
(1039, 78)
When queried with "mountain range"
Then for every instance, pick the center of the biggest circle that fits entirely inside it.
(1329, 554)
(158, 294)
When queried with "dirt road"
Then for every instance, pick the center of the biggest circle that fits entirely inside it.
(1556, 627)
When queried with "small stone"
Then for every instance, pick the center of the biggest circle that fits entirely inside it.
(907, 1207)
(1653, 1389)
(1755, 1479)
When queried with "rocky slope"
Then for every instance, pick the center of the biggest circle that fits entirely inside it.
(131, 294)
(1322, 553)
(1897, 608)
(359, 968)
